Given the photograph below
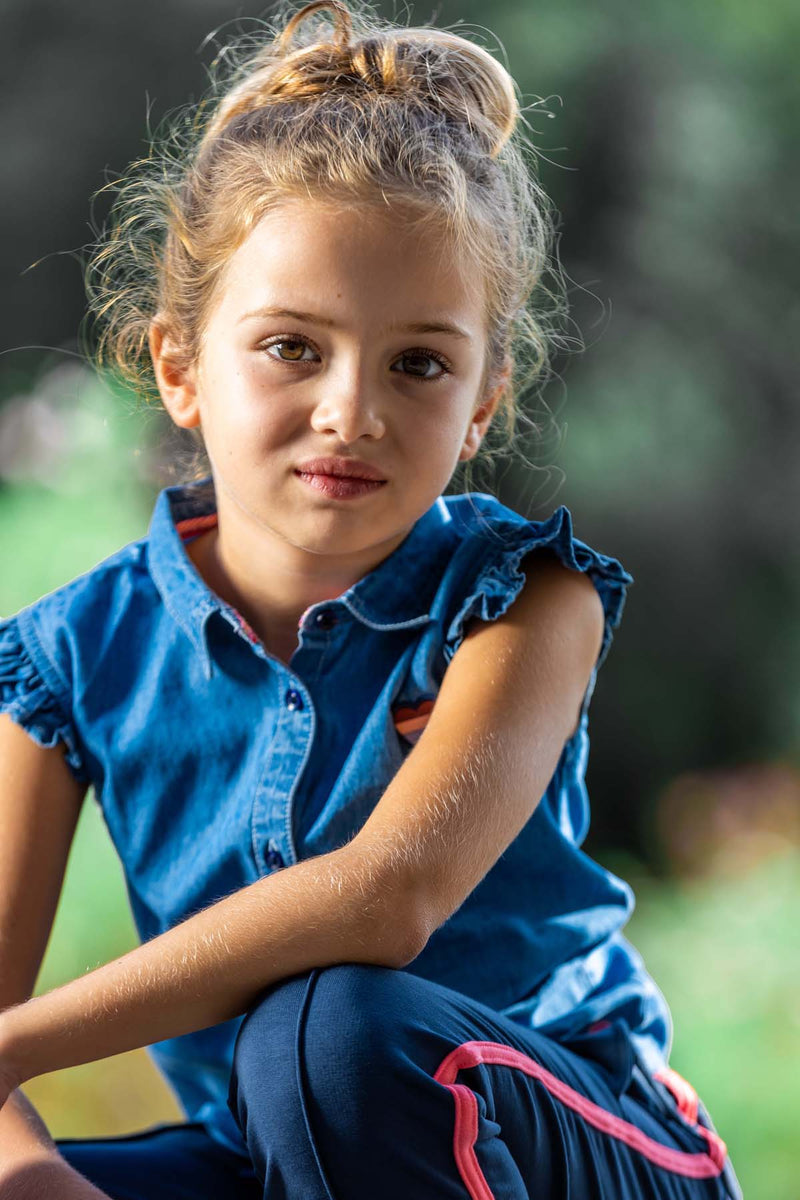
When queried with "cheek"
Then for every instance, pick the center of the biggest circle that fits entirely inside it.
(437, 430)
(244, 412)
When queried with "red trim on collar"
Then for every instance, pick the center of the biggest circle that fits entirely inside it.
(192, 526)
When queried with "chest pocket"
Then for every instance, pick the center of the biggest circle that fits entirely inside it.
(411, 716)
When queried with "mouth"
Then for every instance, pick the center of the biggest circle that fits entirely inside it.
(340, 487)
(338, 467)
(336, 475)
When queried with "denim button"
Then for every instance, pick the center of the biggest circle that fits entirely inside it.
(325, 619)
(293, 699)
(274, 858)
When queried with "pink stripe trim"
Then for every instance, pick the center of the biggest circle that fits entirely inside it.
(465, 1135)
(470, 1054)
(685, 1096)
(412, 723)
(194, 525)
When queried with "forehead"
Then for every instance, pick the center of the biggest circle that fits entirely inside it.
(305, 252)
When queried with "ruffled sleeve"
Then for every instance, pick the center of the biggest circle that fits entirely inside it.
(499, 578)
(30, 703)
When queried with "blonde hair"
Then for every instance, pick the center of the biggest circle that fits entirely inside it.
(367, 113)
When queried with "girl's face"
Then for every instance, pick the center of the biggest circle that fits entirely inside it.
(336, 332)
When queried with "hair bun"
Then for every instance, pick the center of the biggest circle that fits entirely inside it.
(439, 68)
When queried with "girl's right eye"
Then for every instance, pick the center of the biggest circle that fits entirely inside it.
(298, 346)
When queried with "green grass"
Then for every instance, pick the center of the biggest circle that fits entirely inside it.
(724, 952)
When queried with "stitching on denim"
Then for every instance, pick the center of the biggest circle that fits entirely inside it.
(301, 1023)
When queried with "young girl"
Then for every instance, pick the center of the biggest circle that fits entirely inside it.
(336, 721)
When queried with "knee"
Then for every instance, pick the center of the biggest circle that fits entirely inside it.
(342, 1014)
(310, 1069)
(353, 1015)
(355, 997)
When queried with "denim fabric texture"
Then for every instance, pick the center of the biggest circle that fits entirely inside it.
(214, 763)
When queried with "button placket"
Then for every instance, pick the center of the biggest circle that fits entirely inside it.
(289, 748)
(273, 858)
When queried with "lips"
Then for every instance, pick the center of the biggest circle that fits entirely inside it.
(343, 468)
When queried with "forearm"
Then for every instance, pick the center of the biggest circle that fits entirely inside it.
(23, 1128)
(39, 1177)
(210, 968)
(30, 1162)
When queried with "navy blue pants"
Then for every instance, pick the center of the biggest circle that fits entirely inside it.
(352, 1081)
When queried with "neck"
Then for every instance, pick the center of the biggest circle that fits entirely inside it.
(270, 582)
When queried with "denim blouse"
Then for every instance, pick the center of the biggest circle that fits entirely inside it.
(214, 763)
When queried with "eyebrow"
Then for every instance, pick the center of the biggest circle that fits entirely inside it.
(315, 319)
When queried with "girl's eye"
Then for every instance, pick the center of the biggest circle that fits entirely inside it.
(296, 348)
(419, 360)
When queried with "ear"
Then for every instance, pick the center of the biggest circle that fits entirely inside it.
(177, 383)
(482, 417)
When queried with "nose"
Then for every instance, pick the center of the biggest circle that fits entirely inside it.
(348, 406)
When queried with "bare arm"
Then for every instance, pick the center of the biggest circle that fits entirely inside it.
(334, 908)
(509, 701)
(40, 801)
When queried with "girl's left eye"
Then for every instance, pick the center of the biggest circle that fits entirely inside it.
(419, 356)
(416, 356)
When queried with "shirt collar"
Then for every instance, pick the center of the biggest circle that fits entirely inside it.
(396, 594)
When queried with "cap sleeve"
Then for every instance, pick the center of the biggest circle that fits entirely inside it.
(499, 579)
(30, 703)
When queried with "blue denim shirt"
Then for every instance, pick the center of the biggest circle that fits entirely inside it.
(214, 763)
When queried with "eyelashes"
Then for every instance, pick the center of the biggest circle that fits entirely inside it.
(415, 352)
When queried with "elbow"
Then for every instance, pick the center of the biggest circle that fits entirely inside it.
(421, 917)
(394, 930)
(396, 935)
(411, 939)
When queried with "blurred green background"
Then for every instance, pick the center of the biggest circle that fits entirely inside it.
(672, 162)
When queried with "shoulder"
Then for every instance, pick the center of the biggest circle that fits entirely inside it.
(71, 619)
(43, 645)
(534, 663)
(499, 550)
(49, 649)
